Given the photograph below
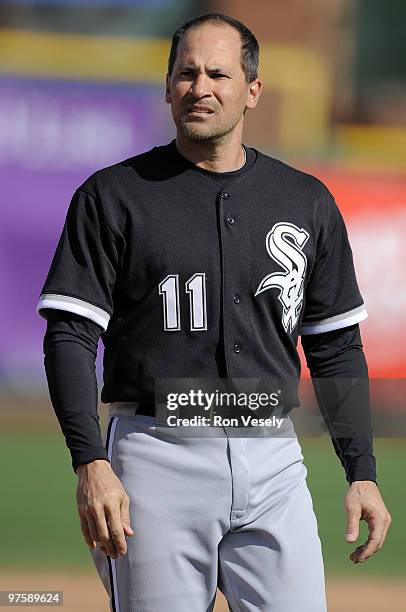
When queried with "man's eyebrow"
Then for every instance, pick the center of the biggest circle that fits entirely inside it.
(192, 67)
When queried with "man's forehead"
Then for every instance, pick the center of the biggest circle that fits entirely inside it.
(224, 41)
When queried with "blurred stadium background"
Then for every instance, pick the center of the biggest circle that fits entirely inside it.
(81, 87)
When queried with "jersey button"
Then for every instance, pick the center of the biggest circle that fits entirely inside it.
(225, 195)
(237, 348)
(236, 299)
(230, 220)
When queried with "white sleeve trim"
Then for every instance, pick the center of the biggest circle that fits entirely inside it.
(337, 322)
(72, 304)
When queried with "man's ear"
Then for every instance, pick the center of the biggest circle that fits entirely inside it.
(167, 89)
(254, 93)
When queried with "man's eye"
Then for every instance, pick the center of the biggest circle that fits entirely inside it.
(186, 73)
(218, 75)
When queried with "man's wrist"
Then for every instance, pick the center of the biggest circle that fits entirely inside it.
(89, 464)
(363, 481)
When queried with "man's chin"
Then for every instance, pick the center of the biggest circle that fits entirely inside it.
(197, 133)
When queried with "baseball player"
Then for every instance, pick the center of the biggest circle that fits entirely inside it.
(206, 258)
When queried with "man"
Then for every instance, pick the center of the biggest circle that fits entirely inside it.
(206, 258)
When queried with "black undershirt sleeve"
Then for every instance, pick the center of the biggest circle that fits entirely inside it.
(70, 350)
(339, 374)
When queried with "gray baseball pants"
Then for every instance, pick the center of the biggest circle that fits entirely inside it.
(228, 512)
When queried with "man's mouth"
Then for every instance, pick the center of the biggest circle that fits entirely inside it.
(200, 110)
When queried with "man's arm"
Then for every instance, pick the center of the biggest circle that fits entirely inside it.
(70, 348)
(339, 372)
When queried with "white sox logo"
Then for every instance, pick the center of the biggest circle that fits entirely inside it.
(284, 243)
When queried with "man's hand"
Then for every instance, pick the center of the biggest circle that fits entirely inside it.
(104, 508)
(363, 501)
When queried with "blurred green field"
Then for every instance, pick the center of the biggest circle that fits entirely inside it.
(40, 525)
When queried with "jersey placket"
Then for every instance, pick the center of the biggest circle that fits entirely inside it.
(235, 268)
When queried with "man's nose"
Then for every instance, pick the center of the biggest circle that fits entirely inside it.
(200, 86)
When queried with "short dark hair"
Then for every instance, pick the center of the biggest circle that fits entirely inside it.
(249, 44)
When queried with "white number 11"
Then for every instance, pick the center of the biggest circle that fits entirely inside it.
(195, 287)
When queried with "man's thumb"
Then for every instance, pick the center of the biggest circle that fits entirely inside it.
(128, 530)
(352, 529)
(125, 519)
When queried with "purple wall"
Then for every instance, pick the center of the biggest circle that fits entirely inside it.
(53, 134)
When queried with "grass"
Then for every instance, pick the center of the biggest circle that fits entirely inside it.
(328, 486)
(40, 526)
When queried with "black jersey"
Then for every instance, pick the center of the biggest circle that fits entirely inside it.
(171, 262)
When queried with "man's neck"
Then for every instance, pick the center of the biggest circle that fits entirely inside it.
(214, 157)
